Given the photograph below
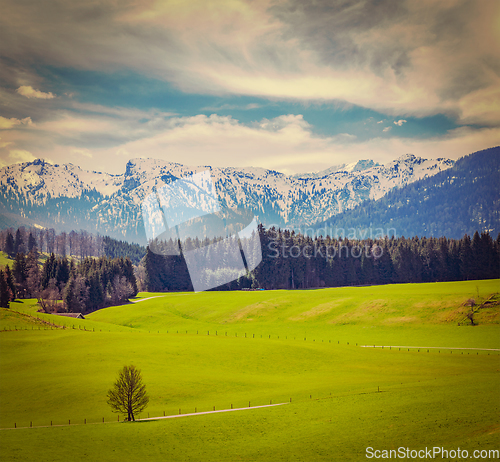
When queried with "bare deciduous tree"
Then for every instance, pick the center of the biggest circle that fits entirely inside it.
(128, 395)
(472, 303)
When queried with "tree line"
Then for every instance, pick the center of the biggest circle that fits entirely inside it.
(79, 245)
(63, 285)
(295, 261)
(289, 261)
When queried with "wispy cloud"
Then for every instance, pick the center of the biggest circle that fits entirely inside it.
(30, 92)
(227, 107)
(12, 122)
(82, 152)
(16, 156)
(403, 58)
(285, 143)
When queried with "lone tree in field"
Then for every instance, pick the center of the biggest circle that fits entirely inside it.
(128, 395)
(472, 303)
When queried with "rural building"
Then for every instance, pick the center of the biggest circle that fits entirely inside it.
(72, 315)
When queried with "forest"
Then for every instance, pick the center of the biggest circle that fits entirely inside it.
(456, 201)
(78, 276)
(295, 261)
(86, 281)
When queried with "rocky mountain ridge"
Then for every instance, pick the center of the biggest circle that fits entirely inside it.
(67, 197)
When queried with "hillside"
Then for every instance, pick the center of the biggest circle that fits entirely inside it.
(320, 311)
(454, 202)
(293, 347)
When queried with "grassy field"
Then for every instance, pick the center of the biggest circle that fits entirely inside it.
(302, 346)
(5, 260)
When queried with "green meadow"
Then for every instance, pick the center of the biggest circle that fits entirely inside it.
(223, 349)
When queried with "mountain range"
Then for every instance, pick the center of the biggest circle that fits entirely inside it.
(67, 197)
(460, 200)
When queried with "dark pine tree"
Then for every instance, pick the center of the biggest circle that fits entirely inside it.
(9, 245)
(18, 242)
(5, 293)
(10, 282)
(31, 242)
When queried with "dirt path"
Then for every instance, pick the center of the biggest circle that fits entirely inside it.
(156, 296)
(421, 347)
(213, 412)
(144, 299)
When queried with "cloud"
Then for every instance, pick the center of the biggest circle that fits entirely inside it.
(12, 122)
(409, 58)
(386, 129)
(82, 152)
(16, 156)
(4, 144)
(30, 92)
(227, 107)
(380, 122)
(399, 122)
(106, 140)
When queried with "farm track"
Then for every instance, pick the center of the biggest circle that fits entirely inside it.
(148, 418)
(211, 412)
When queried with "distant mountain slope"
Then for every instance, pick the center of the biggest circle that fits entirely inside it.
(66, 197)
(452, 203)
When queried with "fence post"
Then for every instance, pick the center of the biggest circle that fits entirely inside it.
(249, 404)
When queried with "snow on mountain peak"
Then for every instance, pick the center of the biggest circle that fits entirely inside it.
(275, 198)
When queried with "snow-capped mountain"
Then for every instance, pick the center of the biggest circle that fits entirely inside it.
(66, 197)
(358, 166)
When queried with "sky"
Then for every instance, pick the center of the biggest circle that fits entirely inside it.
(290, 85)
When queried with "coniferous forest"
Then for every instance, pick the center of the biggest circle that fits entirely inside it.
(77, 276)
(92, 279)
(295, 261)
